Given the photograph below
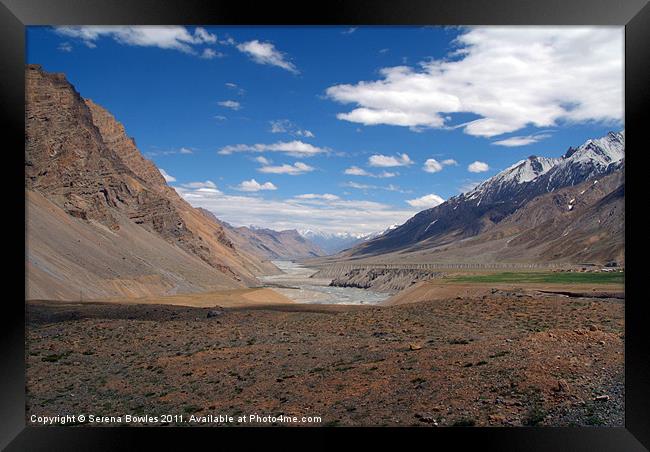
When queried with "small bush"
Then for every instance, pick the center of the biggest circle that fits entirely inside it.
(535, 416)
(466, 422)
(55, 357)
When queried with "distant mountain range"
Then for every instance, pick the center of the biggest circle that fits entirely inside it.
(333, 242)
(270, 244)
(503, 206)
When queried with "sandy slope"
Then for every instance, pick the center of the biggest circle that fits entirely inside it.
(223, 298)
(69, 258)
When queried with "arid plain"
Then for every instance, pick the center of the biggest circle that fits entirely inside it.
(441, 354)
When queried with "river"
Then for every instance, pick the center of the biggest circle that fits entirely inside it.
(296, 284)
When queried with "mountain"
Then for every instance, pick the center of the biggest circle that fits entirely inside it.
(580, 224)
(498, 198)
(267, 243)
(288, 244)
(333, 242)
(101, 220)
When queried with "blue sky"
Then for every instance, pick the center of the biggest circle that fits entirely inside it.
(341, 129)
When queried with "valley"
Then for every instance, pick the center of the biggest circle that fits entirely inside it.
(500, 306)
(305, 285)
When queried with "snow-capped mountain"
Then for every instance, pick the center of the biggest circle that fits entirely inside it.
(592, 159)
(537, 175)
(333, 242)
(468, 214)
(512, 178)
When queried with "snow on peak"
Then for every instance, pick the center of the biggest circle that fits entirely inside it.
(599, 151)
(309, 234)
(594, 154)
(527, 170)
(519, 173)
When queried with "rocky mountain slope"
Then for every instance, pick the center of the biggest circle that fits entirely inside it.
(581, 224)
(83, 173)
(267, 243)
(499, 205)
(287, 244)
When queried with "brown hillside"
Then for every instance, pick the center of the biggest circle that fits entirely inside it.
(79, 158)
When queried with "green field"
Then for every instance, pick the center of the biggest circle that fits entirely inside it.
(544, 277)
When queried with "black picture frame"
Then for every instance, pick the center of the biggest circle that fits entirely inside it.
(15, 15)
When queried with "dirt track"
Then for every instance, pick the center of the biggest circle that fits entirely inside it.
(493, 359)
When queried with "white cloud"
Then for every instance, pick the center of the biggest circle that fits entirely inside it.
(286, 126)
(204, 36)
(280, 125)
(65, 47)
(388, 161)
(294, 148)
(359, 186)
(324, 196)
(253, 185)
(166, 176)
(509, 76)
(326, 213)
(392, 187)
(209, 54)
(356, 171)
(426, 201)
(292, 170)
(305, 133)
(477, 167)
(182, 150)
(263, 160)
(235, 87)
(164, 37)
(232, 104)
(266, 53)
(521, 141)
(432, 166)
(365, 187)
(200, 185)
(349, 31)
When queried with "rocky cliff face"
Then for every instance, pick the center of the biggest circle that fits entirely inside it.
(79, 157)
(68, 159)
(115, 137)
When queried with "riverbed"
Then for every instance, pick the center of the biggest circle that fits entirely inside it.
(296, 283)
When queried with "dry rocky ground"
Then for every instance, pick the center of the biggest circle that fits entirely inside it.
(499, 359)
